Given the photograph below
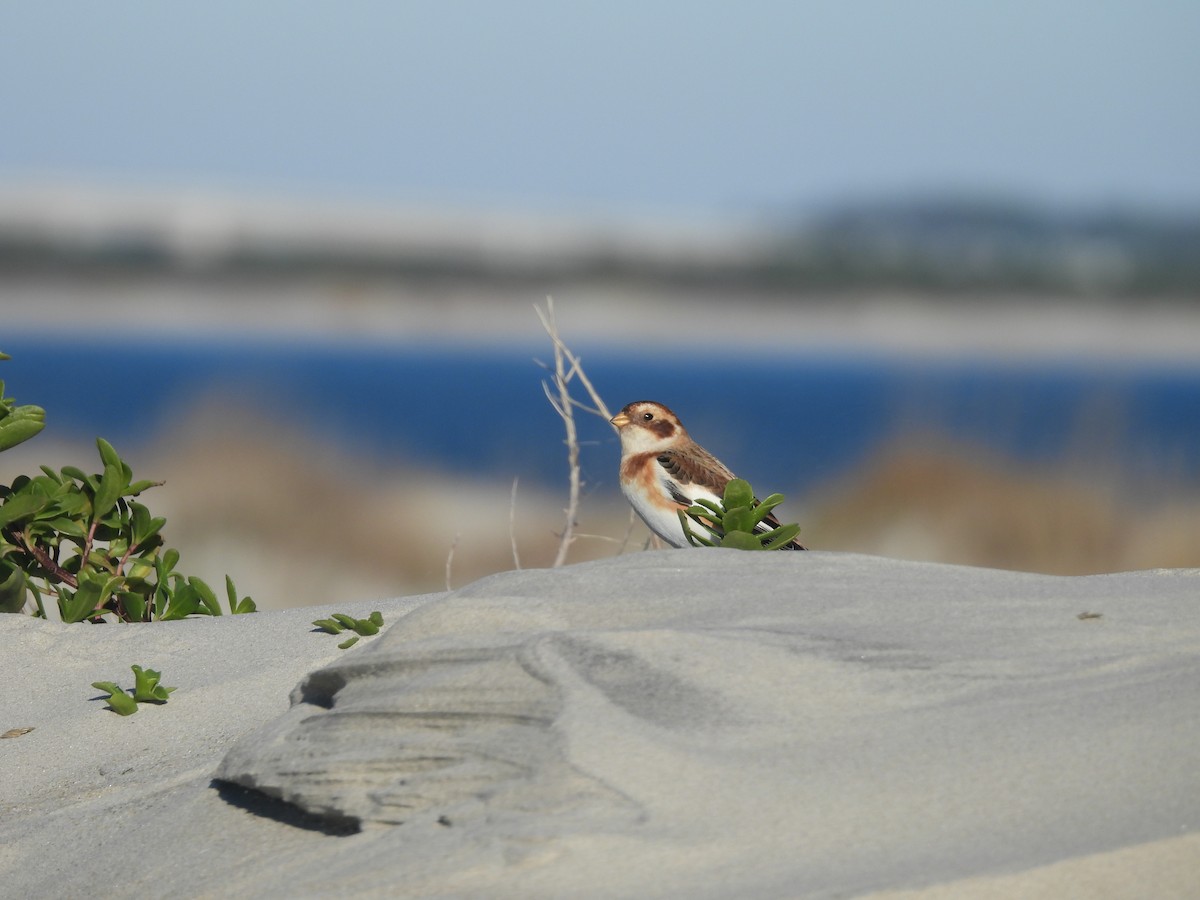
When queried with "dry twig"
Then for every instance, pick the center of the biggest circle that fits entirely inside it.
(565, 405)
(512, 525)
(450, 559)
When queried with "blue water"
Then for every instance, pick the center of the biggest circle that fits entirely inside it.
(786, 422)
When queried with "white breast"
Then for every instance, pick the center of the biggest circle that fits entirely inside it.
(664, 520)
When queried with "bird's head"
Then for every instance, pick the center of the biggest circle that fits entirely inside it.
(646, 427)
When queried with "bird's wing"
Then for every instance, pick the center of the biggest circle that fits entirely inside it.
(694, 471)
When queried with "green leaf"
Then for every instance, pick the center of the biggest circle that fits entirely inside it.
(694, 539)
(20, 425)
(208, 600)
(134, 605)
(780, 537)
(13, 588)
(68, 527)
(741, 540)
(143, 525)
(162, 587)
(140, 567)
(738, 493)
(181, 601)
(349, 642)
(339, 622)
(37, 599)
(93, 591)
(118, 701)
(80, 605)
(70, 501)
(109, 583)
(706, 506)
(51, 474)
(245, 606)
(764, 509)
(238, 607)
(739, 518)
(147, 688)
(117, 548)
(112, 485)
(24, 503)
(705, 517)
(80, 476)
(138, 486)
(108, 455)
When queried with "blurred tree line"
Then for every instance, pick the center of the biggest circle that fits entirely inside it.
(932, 246)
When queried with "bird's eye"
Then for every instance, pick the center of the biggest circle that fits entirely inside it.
(649, 417)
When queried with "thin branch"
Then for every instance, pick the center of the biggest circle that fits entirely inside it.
(567, 366)
(87, 546)
(588, 409)
(553, 401)
(124, 559)
(597, 537)
(512, 525)
(44, 559)
(547, 319)
(450, 559)
(566, 413)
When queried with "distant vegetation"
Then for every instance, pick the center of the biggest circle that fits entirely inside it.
(933, 246)
(966, 245)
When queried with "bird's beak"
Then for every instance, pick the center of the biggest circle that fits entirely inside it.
(620, 420)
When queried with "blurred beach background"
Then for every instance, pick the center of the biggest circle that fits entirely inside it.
(931, 270)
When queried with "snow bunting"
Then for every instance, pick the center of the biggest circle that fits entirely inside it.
(663, 470)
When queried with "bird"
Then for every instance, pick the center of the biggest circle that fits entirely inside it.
(663, 471)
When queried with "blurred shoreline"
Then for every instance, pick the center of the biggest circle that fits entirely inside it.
(888, 323)
(927, 280)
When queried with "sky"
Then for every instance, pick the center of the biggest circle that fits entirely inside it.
(682, 108)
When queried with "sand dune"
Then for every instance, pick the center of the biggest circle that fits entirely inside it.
(682, 723)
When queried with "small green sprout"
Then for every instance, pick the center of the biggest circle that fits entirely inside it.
(146, 689)
(733, 523)
(118, 701)
(339, 622)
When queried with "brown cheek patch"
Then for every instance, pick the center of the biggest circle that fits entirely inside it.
(661, 427)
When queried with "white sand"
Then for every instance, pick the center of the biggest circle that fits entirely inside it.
(671, 724)
(1010, 328)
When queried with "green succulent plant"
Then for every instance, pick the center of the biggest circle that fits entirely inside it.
(733, 522)
(146, 689)
(339, 622)
(88, 542)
